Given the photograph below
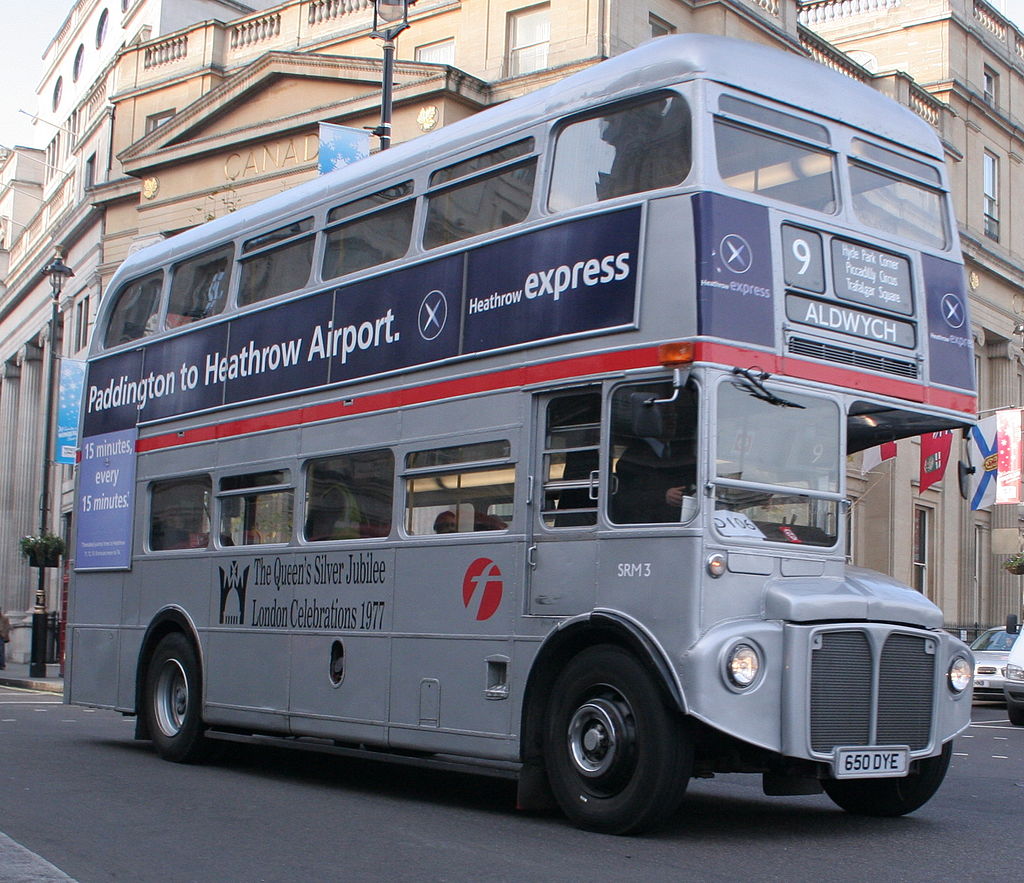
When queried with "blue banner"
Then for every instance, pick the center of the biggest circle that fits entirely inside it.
(576, 278)
(950, 346)
(69, 406)
(105, 505)
(341, 145)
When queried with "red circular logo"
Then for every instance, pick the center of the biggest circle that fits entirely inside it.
(483, 580)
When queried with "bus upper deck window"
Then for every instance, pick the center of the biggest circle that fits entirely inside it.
(276, 262)
(479, 203)
(642, 146)
(135, 310)
(775, 167)
(199, 287)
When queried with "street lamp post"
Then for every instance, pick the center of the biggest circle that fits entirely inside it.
(390, 18)
(57, 272)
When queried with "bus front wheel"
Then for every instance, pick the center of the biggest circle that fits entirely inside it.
(172, 700)
(891, 797)
(618, 759)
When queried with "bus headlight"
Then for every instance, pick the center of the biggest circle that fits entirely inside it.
(742, 665)
(960, 675)
(1014, 673)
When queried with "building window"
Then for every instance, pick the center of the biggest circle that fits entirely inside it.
(89, 173)
(81, 329)
(156, 120)
(660, 27)
(990, 86)
(101, 28)
(922, 547)
(76, 68)
(58, 90)
(990, 189)
(442, 52)
(528, 34)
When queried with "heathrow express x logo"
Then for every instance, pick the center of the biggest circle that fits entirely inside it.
(233, 582)
(433, 315)
(952, 310)
(736, 253)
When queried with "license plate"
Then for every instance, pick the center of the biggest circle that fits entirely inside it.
(980, 683)
(870, 763)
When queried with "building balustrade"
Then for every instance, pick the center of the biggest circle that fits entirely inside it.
(255, 30)
(165, 51)
(833, 10)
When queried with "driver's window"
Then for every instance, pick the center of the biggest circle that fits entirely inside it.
(653, 454)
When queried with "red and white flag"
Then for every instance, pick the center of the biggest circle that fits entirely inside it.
(872, 457)
(935, 448)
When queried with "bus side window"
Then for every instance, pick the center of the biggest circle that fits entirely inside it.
(370, 240)
(179, 513)
(643, 146)
(199, 287)
(571, 455)
(482, 203)
(135, 310)
(276, 262)
(256, 508)
(462, 489)
(349, 496)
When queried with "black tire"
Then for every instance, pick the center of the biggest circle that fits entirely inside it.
(172, 700)
(891, 797)
(1016, 715)
(618, 759)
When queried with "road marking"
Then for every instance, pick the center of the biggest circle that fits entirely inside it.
(20, 863)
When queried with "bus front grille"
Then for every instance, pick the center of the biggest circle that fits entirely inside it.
(830, 352)
(860, 696)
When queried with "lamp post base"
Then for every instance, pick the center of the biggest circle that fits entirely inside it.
(37, 664)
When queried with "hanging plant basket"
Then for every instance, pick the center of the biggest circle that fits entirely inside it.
(1015, 564)
(42, 550)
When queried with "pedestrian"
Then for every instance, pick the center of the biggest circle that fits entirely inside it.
(5, 636)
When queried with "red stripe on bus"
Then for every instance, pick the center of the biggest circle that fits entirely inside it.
(546, 372)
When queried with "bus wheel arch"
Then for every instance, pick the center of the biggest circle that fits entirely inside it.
(619, 645)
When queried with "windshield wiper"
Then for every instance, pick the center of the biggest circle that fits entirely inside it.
(755, 386)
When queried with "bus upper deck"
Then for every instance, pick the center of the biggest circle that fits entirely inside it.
(444, 248)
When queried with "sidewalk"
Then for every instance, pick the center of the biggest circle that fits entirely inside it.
(16, 675)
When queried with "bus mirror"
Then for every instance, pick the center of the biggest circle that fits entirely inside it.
(963, 471)
(1012, 626)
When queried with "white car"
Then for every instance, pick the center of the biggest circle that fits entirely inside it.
(990, 650)
(1013, 685)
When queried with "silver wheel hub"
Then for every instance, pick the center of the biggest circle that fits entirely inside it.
(595, 734)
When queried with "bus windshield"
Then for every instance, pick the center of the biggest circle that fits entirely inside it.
(764, 448)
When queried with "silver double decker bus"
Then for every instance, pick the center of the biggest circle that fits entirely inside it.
(521, 448)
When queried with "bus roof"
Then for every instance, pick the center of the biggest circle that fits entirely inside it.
(752, 67)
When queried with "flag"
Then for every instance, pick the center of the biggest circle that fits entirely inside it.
(934, 457)
(341, 145)
(984, 459)
(1009, 455)
(872, 457)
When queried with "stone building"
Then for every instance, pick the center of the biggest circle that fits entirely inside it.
(188, 118)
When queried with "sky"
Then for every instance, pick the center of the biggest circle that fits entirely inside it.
(29, 25)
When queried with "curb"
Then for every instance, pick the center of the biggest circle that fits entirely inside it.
(30, 684)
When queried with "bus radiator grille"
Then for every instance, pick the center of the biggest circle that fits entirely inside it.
(844, 708)
(829, 352)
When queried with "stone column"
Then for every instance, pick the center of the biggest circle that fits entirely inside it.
(27, 473)
(12, 588)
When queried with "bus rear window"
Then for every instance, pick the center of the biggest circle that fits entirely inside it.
(199, 287)
(631, 149)
(775, 167)
(135, 311)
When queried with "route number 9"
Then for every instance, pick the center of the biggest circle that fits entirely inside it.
(802, 258)
(802, 252)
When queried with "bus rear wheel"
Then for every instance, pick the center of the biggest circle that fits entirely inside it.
(172, 701)
(618, 759)
(891, 797)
